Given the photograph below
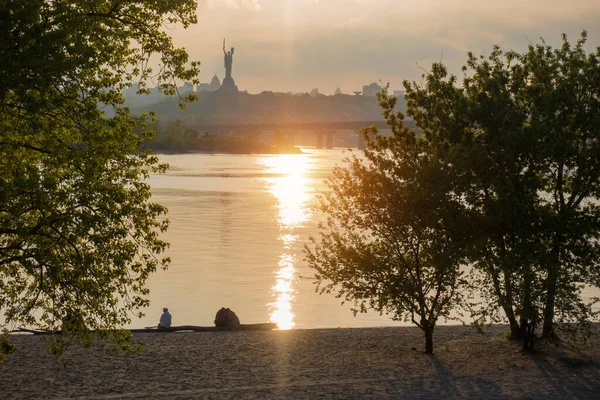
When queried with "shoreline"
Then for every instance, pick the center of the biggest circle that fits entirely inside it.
(298, 150)
(377, 363)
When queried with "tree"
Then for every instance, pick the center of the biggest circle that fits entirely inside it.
(563, 94)
(522, 133)
(480, 125)
(79, 235)
(394, 236)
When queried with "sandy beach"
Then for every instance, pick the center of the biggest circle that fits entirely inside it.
(367, 363)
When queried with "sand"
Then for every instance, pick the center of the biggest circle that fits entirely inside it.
(373, 363)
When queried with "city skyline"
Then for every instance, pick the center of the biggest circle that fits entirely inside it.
(295, 46)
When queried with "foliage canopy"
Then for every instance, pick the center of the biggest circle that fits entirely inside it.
(523, 132)
(504, 176)
(79, 235)
(395, 234)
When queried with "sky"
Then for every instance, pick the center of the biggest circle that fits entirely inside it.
(298, 45)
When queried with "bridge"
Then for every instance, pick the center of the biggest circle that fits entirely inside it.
(288, 130)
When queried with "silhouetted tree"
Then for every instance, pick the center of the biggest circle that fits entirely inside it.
(523, 135)
(394, 236)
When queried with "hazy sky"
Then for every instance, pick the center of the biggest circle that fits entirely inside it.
(296, 45)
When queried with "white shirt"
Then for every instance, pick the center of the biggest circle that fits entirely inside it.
(165, 319)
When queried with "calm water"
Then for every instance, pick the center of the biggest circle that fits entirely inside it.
(238, 226)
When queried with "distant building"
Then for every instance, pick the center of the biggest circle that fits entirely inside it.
(186, 89)
(203, 87)
(337, 92)
(371, 90)
(314, 92)
(399, 94)
(215, 83)
(213, 86)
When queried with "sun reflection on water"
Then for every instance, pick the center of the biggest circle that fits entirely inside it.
(290, 190)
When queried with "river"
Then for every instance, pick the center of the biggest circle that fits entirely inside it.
(238, 227)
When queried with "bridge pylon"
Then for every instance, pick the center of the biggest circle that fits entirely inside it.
(319, 137)
(329, 139)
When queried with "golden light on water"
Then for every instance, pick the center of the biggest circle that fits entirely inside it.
(289, 188)
(284, 290)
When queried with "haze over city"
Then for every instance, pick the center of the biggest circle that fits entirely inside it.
(297, 45)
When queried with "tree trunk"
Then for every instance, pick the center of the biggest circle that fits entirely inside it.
(548, 329)
(429, 341)
(529, 334)
(506, 302)
(515, 329)
(529, 315)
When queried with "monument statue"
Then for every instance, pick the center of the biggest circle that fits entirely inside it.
(228, 60)
(228, 82)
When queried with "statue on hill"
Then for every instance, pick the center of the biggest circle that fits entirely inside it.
(228, 60)
(228, 82)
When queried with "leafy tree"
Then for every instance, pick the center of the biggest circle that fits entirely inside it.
(563, 95)
(394, 236)
(481, 126)
(172, 136)
(79, 235)
(522, 132)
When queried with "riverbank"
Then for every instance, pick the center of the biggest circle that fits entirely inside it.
(267, 150)
(375, 363)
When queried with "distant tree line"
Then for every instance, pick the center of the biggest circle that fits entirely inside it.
(175, 137)
(497, 199)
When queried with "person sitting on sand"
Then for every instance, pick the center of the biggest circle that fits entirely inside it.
(165, 319)
(226, 318)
